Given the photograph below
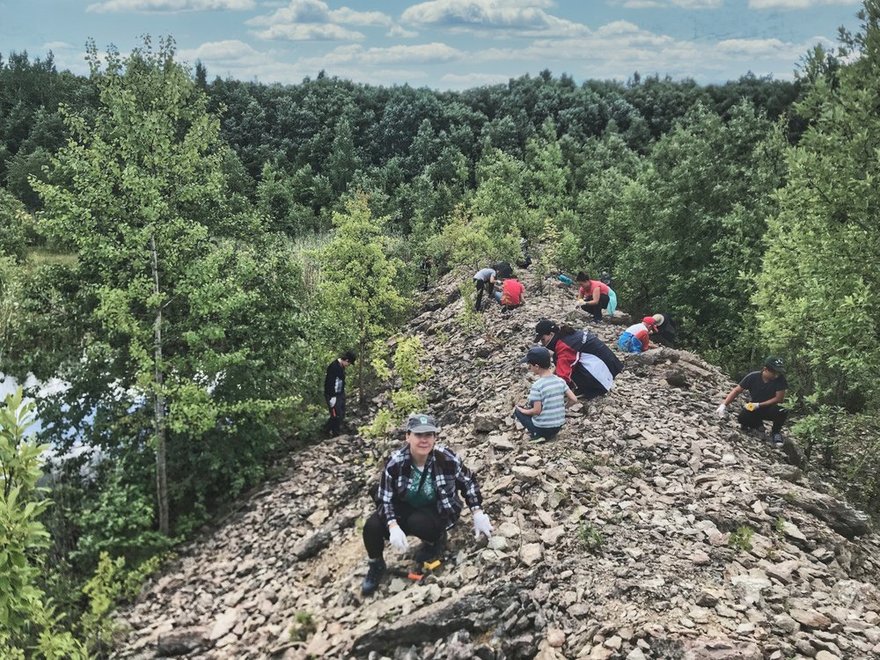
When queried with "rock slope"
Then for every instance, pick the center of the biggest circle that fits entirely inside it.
(647, 529)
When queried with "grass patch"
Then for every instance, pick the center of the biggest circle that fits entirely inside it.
(741, 539)
(590, 537)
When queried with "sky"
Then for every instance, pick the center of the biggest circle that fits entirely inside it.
(442, 44)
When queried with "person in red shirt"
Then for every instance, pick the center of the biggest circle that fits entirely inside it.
(594, 294)
(511, 294)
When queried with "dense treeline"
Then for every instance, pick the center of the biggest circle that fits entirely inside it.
(186, 256)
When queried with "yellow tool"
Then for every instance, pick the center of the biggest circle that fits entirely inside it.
(752, 407)
(426, 567)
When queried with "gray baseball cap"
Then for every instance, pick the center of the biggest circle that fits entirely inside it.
(420, 423)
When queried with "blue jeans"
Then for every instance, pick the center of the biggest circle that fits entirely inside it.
(535, 431)
(628, 343)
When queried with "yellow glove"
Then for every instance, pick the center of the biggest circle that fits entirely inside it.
(752, 407)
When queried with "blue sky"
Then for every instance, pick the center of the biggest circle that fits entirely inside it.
(444, 44)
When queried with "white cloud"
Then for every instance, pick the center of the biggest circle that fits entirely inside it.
(797, 4)
(236, 59)
(351, 17)
(660, 4)
(466, 80)
(618, 49)
(313, 20)
(398, 31)
(168, 5)
(221, 52)
(509, 17)
(419, 54)
(432, 53)
(57, 45)
(310, 32)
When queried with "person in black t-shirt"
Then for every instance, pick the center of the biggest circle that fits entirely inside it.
(334, 391)
(767, 391)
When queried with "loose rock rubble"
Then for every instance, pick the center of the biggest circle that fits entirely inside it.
(647, 529)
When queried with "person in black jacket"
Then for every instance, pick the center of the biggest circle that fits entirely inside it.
(334, 391)
(582, 359)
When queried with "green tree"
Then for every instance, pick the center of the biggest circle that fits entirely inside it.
(695, 222)
(360, 284)
(819, 290)
(28, 625)
(169, 274)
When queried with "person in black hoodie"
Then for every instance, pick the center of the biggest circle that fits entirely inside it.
(334, 391)
(582, 359)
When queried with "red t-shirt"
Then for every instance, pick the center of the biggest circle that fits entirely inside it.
(587, 289)
(511, 292)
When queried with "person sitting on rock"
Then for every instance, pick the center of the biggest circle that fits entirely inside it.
(637, 337)
(545, 413)
(484, 280)
(512, 293)
(418, 496)
(594, 296)
(582, 359)
(767, 391)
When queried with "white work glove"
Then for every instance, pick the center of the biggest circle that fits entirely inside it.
(722, 409)
(752, 407)
(398, 539)
(482, 525)
(332, 401)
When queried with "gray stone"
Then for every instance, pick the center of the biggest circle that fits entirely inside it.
(181, 642)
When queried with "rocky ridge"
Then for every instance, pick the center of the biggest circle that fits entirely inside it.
(647, 529)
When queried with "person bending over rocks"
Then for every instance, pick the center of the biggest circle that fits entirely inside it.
(767, 391)
(582, 360)
(418, 496)
(484, 280)
(637, 337)
(545, 413)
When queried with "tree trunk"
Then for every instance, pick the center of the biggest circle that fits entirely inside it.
(159, 405)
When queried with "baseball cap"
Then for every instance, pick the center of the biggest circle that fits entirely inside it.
(776, 364)
(544, 327)
(650, 321)
(421, 424)
(539, 356)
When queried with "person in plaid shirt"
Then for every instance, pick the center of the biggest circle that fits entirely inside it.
(418, 496)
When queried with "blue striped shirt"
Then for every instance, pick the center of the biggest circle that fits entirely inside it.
(550, 391)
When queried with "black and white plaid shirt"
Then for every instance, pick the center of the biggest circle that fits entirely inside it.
(450, 477)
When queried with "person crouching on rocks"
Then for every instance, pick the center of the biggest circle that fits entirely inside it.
(586, 364)
(418, 496)
(637, 337)
(512, 294)
(545, 414)
(766, 391)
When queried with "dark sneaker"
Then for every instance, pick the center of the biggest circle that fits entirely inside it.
(776, 440)
(374, 576)
(428, 552)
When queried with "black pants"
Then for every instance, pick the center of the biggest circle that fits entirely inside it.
(424, 522)
(488, 287)
(584, 384)
(596, 308)
(337, 415)
(755, 419)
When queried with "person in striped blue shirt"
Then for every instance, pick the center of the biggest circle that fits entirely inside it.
(545, 414)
